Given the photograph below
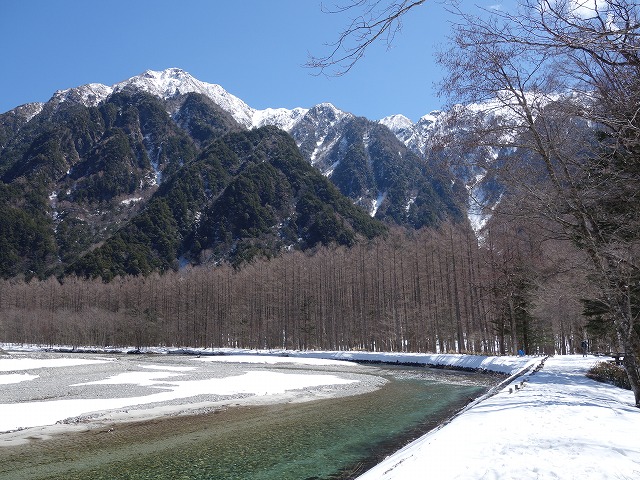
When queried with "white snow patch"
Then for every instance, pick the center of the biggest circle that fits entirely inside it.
(88, 95)
(322, 148)
(144, 379)
(15, 364)
(366, 141)
(375, 204)
(411, 201)
(170, 368)
(270, 360)
(396, 122)
(262, 383)
(280, 117)
(327, 173)
(16, 378)
(28, 110)
(174, 81)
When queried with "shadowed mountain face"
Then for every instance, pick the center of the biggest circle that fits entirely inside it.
(163, 170)
(370, 165)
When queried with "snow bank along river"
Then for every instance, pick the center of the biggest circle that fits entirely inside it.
(77, 416)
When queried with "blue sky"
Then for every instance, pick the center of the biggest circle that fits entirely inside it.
(254, 49)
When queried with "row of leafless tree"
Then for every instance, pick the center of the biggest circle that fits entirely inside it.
(435, 291)
(556, 66)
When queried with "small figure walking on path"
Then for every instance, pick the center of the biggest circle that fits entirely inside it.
(585, 348)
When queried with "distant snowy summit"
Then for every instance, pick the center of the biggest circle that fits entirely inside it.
(164, 84)
(413, 135)
(175, 81)
(172, 82)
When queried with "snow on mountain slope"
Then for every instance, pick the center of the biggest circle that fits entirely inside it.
(397, 123)
(165, 84)
(89, 95)
(323, 133)
(27, 111)
(414, 135)
(280, 117)
(172, 82)
(318, 130)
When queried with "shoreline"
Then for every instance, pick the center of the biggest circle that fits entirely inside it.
(309, 361)
(186, 411)
(554, 422)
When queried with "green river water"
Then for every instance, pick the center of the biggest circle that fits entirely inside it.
(323, 439)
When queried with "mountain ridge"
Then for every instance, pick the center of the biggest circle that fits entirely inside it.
(317, 130)
(174, 81)
(87, 177)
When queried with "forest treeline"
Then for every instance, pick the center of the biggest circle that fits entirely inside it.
(421, 291)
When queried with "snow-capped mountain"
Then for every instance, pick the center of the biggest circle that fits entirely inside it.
(88, 95)
(173, 82)
(315, 129)
(356, 154)
(467, 136)
(318, 130)
(279, 117)
(414, 135)
(166, 151)
(164, 84)
(26, 112)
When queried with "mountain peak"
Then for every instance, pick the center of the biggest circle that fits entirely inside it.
(430, 117)
(396, 122)
(172, 72)
(164, 84)
(172, 82)
(175, 81)
(280, 117)
(89, 95)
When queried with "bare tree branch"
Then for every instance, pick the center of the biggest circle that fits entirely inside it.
(376, 20)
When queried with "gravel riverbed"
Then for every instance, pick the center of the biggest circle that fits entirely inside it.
(42, 380)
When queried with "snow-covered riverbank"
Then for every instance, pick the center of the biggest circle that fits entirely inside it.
(555, 424)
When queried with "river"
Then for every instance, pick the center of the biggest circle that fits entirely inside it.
(334, 438)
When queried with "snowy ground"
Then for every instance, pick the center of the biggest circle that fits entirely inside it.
(559, 425)
(556, 425)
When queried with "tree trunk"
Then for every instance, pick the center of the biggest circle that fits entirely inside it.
(630, 342)
(514, 332)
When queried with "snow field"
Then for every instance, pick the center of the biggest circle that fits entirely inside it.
(557, 425)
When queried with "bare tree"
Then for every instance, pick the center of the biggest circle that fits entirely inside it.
(564, 77)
